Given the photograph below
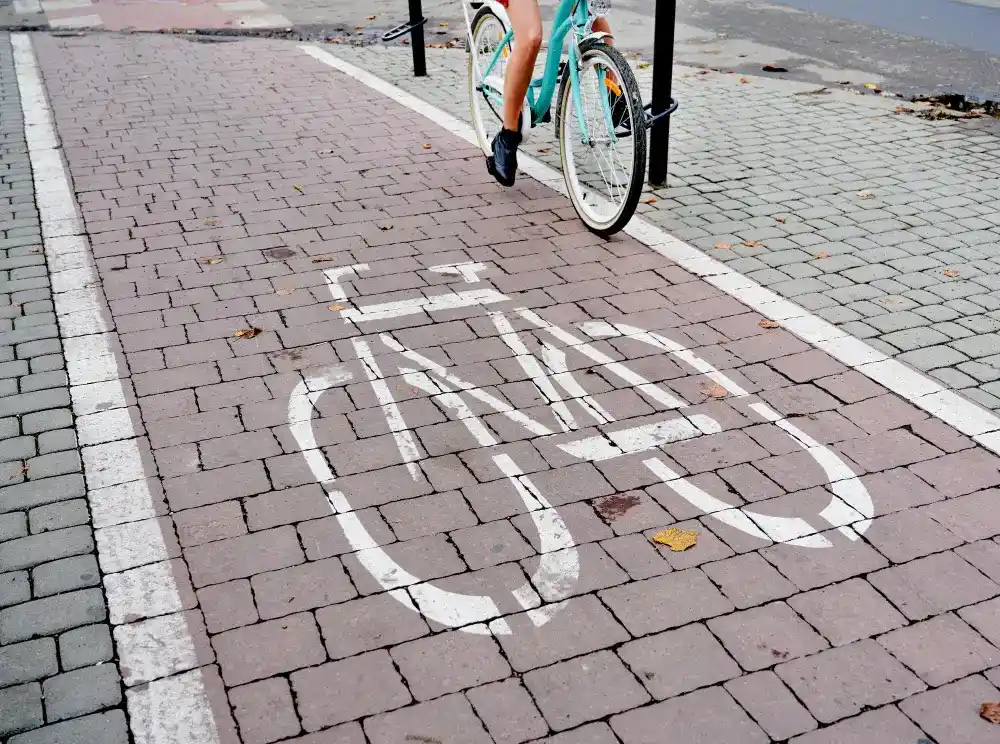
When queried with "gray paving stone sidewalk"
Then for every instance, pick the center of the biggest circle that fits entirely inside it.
(880, 222)
(58, 679)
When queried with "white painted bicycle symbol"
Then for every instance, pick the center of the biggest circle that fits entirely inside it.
(850, 508)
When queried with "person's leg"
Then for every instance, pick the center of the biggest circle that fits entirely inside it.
(527, 24)
(601, 26)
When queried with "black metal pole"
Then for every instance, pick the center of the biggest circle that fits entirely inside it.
(417, 39)
(663, 64)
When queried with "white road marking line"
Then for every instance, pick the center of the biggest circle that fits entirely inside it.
(948, 406)
(117, 488)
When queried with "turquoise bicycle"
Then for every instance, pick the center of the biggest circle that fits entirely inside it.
(600, 119)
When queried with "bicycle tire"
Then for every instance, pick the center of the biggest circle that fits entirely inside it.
(614, 60)
(483, 113)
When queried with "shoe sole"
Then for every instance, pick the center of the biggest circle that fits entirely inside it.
(492, 168)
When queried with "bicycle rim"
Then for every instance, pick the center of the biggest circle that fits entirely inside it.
(487, 110)
(605, 171)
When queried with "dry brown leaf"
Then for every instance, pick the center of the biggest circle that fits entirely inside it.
(358, 28)
(299, 189)
(35, 250)
(22, 471)
(371, 18)
(211, 261)
(950, 273)
(284, 292)
(650, 200)
(428, 146)
(335, 308)
(723, 246)
(822, 254)
(385, 228)
(714, 390)
(779, 219)
(769, 324)
(744, 80)
(676, 539)
(211, 222)
(990, 712)
(751, 243)
(248, 332)
(322, 259)
(544, 149)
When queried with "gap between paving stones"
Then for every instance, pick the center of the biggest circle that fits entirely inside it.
(965, 416)
(139, 575)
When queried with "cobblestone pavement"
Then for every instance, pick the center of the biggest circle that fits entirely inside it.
(143, 15)
(379, 449)
(882, 223)
(55, 641)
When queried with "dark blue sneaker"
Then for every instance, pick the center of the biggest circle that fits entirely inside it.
(503, 165)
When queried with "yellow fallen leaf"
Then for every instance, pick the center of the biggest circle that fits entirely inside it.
(769, 324)
(950, 273)
(676, 539)
(990, 712)
(299, 189)
(642, 65)
(822, 254)
(213, 260)
(871, 86)
(335, 308)
(723, 246)
(248, 332)
(211, 222)
(714, 390)
(443, 24)
(751, 243)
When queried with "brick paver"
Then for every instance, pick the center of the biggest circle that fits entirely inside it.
(218, 183)
(56, 669)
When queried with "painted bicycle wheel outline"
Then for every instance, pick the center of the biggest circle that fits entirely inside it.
(850, 509)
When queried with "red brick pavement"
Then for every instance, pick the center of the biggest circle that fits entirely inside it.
(218, 182)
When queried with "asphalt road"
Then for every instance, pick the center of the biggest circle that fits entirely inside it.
(916, 47)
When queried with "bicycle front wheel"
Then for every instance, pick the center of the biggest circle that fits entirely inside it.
(486, 93)
(602, 138)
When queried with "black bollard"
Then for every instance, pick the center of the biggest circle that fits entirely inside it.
(663, 64)
(415, 28)
(417, 21)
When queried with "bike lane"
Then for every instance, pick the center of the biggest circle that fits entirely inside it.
(382, 448)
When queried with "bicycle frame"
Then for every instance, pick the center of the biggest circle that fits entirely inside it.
(570, 14)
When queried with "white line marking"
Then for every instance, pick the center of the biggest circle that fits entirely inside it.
(386, 310)
(116, 481)
(468, 270)
(952, 408)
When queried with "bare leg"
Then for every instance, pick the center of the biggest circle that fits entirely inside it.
(601, 25)
(527, 24)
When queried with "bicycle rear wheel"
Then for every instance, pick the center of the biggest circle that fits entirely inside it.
(486, 95)
(602, 138)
